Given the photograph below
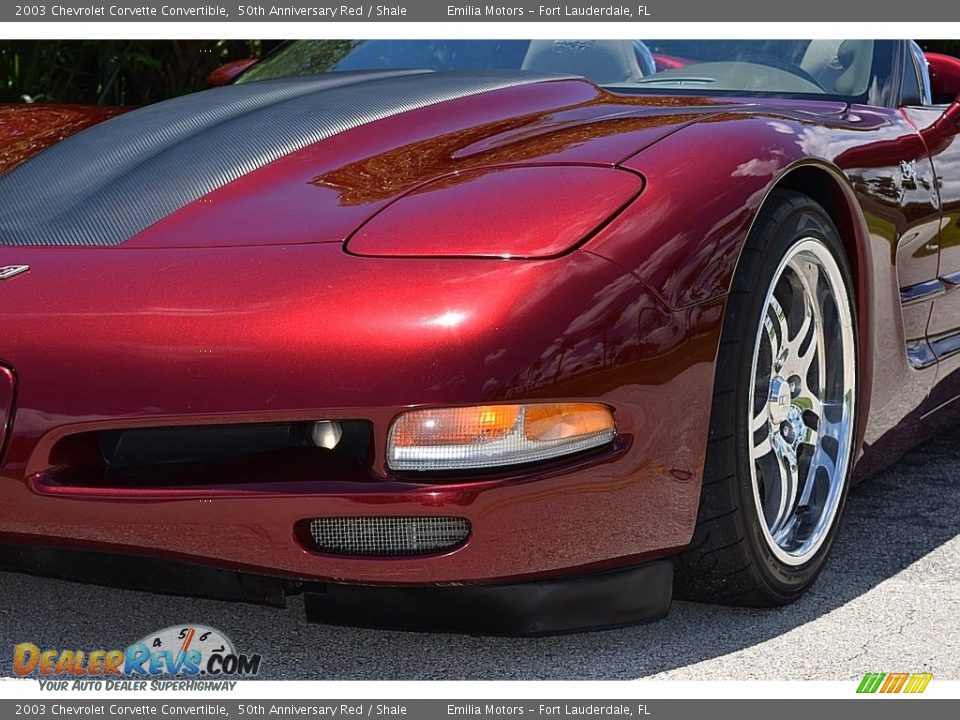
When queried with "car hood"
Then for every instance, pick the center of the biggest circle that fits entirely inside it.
(310, 160)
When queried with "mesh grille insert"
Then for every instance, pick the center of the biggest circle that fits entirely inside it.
(388, 536)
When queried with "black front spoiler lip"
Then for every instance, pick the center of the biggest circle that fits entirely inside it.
(553, 606)
(566, 604)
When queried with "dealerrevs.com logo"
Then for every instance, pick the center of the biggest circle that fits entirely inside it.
(202, 657)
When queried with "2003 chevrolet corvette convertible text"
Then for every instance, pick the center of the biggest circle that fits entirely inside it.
(517, 340)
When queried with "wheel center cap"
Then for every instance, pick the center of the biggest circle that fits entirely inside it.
(779, 403)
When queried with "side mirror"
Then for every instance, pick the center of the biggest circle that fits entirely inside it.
(225, 74)
(944, 77)
(945, 87)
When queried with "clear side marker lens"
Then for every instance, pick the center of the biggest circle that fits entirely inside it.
(488, 436)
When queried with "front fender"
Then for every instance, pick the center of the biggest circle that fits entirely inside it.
(705, 185)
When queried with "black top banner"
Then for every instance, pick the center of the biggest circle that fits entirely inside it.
(460, 11)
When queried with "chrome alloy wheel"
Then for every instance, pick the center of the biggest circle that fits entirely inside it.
(802, 402)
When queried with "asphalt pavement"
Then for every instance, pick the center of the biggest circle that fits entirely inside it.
(889, 600)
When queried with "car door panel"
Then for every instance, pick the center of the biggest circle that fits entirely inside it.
(943, 330)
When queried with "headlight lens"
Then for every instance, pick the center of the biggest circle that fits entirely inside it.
(487, 436)
(515, 212)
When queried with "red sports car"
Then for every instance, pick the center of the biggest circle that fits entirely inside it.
(498, 336)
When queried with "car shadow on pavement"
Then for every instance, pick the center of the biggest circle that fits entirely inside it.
(892, 521)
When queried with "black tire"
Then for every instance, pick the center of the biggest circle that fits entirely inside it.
(728, 560)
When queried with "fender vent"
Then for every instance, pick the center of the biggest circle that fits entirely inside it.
(388, 536)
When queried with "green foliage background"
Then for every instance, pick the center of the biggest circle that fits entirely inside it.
(113, 72)
(947, 47)
(136, 72)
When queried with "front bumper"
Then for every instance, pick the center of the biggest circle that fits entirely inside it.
(267, 341)
(540, 607)
(605, 509)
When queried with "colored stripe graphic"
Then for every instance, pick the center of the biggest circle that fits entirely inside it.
(871, 682)
(913, 683)
(923, 679)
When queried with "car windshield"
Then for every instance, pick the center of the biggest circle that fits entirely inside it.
(825, 69)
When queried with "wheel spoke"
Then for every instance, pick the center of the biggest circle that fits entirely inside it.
(759, 420)
(820, 460)
(776, 325)
(830, 427)
(803, 356)
(785, 494)
(783, 535)
(812, 414)
(803, 332)
(763, 446)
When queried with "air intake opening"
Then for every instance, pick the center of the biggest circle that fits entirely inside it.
(207, 455)
(387, 536)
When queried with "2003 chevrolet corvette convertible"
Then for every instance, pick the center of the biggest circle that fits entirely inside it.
(509, 336)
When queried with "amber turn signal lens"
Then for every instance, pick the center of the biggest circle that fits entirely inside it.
(485, 436)
(566, 420)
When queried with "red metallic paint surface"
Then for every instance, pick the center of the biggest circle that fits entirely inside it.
(669, 62)
(325, 191)
(7, 391)
(891, 229)
(554, 208)
(228, 72)
(944, 73)
(940, 132)
(312, 332)
(244, 307)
